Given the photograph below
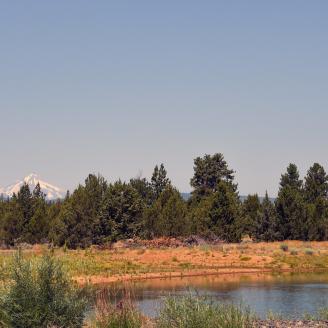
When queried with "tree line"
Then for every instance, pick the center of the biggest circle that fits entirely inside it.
(99, 212)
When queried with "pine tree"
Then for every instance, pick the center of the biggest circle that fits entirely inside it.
(267, 227)
(251, 211)
(316, 191)
(291, 178)
(208, 172)
(159, 180)
(316, 183)
(290, 206)
(144, 189)
(224, 213)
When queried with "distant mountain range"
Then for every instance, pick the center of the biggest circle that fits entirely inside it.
(51, 192)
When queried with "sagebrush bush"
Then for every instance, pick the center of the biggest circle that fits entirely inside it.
(197, 312)
(41, 296)
(284, 247)
(309, 251)
(293, 252)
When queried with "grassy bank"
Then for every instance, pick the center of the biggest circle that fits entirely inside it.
(192, 311)
(101, 266)
(40, 294)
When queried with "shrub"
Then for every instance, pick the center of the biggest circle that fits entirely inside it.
(309, 251)
(245, 258)
(196, 312)
(123, 314)
(293, 252)
(284, 247)
(41, 296)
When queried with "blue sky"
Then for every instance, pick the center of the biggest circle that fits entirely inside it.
(116, 87)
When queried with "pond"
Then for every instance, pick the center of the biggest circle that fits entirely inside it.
(289, 295)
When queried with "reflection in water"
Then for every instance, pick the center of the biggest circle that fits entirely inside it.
(286, 294)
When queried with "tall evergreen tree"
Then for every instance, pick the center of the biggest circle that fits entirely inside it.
(121, 213)
(167, 216)
(159, 180)
(291, 178)
(224, 213)
(77, 224)
(12, 225)
(316, 183)
(144, 189)
(290, 206)
(37, 228)
(316, 191)
(208, 172)
(267, 227)
(251, 211)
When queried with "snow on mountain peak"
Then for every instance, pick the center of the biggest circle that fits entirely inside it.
(51, 192)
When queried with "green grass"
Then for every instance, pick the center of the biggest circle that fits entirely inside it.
(197, 312)
(121, 315)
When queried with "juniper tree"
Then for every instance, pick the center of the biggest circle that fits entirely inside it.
(167, 216)
(121, 213)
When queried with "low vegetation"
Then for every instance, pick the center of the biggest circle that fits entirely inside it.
(195, 312)
(122, 314)
(94, 265)
(40, 296)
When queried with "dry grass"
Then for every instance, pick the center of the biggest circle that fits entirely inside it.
(98, 266)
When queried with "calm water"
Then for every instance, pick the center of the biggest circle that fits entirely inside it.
(290, 295)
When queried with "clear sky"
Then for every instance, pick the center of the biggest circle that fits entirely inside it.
(118, 86)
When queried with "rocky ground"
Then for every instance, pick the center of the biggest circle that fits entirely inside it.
(291, 324)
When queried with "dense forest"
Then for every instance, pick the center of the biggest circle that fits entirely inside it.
(99, 212)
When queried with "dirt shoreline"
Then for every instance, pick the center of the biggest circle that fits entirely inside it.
(95, 280)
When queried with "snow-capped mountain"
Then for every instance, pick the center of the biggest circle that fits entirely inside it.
(32, 180)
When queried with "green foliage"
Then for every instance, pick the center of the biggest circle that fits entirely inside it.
(167, 216)
(291, 207)
(121, 315)
(144, 189)
(224, 213)
(316, 183)
(199, 217)
(25, 217)
(41, 296)
(77, 223)
(197, 312)
(121, 213)
(208, 172)
(159, 180)
(98, 213)
(251, 215)
(266, 227)
(291, 178)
